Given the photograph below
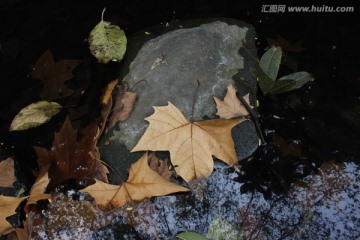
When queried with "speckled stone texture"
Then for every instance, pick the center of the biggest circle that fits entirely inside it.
(212, 54)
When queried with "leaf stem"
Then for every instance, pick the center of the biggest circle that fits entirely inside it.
(253, 116)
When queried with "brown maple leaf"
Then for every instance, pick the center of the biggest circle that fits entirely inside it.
(54, 75)
(7, 177)
(231, 106)
(123, 104)
(285, 44)
(8, 206)
(142, 183)
(73, 159)
(191, 144)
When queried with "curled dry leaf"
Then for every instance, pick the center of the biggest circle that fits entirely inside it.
(34, 115)
(123, 105)
(231, 106)
(142, 183)
(54, 75)
(8, 206)
(191, 144)
(7, 176)
(107, 42)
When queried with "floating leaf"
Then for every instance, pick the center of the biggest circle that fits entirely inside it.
(75, 158)
(107, 41)
(34, 115)
(191, 144)
(231, 106)
(268, 68)
(142, 183)
(8, 206)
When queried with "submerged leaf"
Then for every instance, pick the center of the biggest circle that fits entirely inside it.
(34, 115)
(54, 75)
(191, 144)
(107, 42)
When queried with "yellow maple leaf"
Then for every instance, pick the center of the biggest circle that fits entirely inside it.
(142, 183)
(231, 106)
(191, 144)
(8, 206)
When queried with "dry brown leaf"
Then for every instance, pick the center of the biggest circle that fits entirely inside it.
(142, 183)
(159, 166)
(8, 206)
(123, 105)
(286, 45)
(54, 75)
(7, 176)
(191, 144)
(19, 233)
(231, 106)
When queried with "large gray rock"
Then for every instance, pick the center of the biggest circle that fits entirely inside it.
(214, 54)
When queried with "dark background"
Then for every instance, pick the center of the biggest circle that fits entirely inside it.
(330, 41)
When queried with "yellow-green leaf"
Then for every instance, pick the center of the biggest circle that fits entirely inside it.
(107, 42)
(34, 115)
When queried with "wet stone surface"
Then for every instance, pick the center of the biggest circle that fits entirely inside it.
(214, 53)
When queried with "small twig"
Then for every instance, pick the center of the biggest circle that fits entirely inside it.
(253, 116)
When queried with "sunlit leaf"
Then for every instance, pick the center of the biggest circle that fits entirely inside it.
(191, 144)
(142, 183)
(107, 42)
(34, 115)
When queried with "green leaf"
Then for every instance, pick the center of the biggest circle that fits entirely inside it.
(190, 236)
(107, 42)
(282, 86)
(268, 68)
(34, 115)
(299, 77)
